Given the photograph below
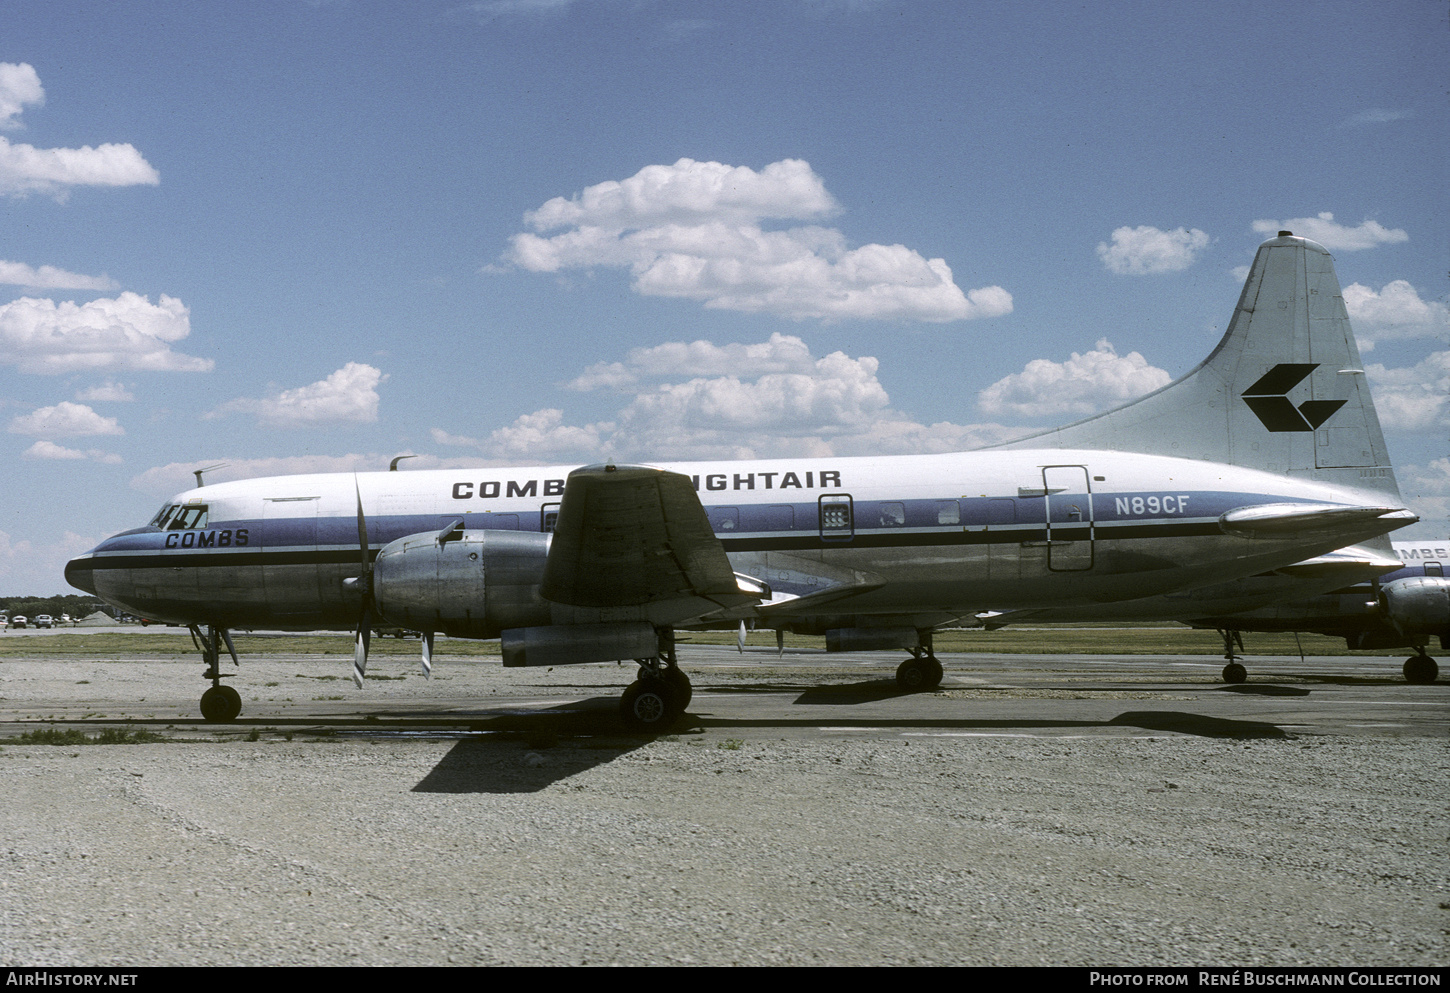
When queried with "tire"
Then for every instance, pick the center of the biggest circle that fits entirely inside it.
(1235, 673)
(679, 684)
(649, 705)
(913, 675)
(1421, 670)
(220, 705)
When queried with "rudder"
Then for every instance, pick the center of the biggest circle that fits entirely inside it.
(1284, 390)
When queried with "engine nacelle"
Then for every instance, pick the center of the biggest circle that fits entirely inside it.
(870, 639)
(1418, 605)
(468, 584)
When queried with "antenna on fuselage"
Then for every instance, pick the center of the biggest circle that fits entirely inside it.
(393, 465)
(197, 472)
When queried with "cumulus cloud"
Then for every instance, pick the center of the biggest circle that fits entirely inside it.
(693, 230)
(1333, 235)
(124, 332)
(782, 353)
(106, 393)
(1376, 115)
(1144, 249)
(348, 396)
(698, 400)
(1413, 398)
(19, 85)
(1084, 384)
(26, 169)
(64, 420)
(48, 277)
(50, 450)
(39, 568)
(1427, 488)
(1395, 312)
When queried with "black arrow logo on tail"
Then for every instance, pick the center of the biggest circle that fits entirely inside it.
(1269, 401)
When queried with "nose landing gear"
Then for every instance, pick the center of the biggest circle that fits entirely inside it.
(220, 704)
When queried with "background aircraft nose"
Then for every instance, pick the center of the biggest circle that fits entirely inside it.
(79, 576)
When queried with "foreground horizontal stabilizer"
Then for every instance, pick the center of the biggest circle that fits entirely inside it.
(1300, 520)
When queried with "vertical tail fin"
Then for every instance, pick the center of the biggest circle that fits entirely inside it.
(1284, 391)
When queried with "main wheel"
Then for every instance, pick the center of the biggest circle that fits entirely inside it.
(1421, 669)
(914, 675)
(649, 705)
(679, 684)
(934, 672)
(1234, 673)
(220, 705)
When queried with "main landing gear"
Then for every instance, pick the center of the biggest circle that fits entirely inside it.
(922, 671)
(1234, 672)
(220, 704)
(1421, 668)
(655, 701)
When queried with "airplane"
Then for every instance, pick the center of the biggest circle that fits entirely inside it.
(1369, 598)
(1266, 454)
(1402, 608)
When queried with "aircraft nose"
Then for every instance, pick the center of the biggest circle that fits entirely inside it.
(78, 574)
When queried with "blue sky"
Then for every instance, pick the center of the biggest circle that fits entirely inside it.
(311, 236)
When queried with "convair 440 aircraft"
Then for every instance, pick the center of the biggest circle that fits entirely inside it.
(1268, 453)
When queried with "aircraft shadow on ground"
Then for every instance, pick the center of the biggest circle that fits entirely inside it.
(503, 766)
(1149, 720)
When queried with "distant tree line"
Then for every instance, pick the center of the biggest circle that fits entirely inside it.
(76, 605)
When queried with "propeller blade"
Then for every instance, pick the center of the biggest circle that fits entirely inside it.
(427, 654)
(227, 637)
(740, 638)
(364, 624)
(360, 650)
(780, 641)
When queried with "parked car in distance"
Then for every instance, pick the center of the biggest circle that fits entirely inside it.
(44, 621)
(19, 621)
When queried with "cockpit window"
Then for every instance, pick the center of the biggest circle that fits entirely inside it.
(183, 518)
(159, 521)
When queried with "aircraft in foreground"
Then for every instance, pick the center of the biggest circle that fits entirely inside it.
(1266, 454)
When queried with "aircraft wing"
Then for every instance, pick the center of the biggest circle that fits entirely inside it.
(636, 540)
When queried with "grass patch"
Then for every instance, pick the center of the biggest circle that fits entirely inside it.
(74, 736)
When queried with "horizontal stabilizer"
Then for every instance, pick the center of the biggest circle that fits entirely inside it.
(1302, 520)
(1351, 561)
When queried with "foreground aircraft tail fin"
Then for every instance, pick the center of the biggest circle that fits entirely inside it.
(1284, 391)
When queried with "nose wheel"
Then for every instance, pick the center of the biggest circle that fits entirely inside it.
(1421, 669)
(220, 704)
(1234, 672)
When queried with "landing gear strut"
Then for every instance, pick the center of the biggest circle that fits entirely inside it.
(922, 671)
(1234, 672)
(655, 700)
(219, 704)
(1421, 668)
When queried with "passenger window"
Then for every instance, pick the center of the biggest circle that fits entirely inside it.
(1434, 569)
(549, 518)
(725, 518)
(893, 515)
(835, 514)
(947, 512)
